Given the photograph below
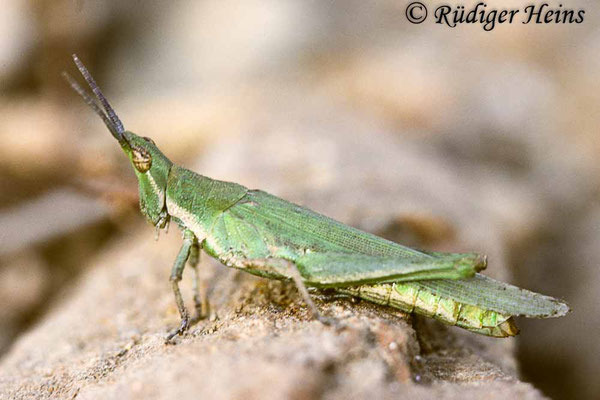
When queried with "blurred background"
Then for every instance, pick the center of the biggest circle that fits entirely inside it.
(513, 110)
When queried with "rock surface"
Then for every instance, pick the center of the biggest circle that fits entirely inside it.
(105, 338)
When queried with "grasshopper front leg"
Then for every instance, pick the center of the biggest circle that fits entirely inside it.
(189, 239)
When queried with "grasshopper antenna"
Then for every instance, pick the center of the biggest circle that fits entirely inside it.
(99, 95)
(90, 102)
(110, 118)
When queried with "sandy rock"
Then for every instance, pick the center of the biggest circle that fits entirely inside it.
(105, 338)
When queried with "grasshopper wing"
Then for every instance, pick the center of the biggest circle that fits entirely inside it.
(326, 252)
(331, 254)
(501, 297)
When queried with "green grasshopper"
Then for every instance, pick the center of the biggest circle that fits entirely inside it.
(270, 237)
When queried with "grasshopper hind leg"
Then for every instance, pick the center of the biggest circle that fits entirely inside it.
(289, 270)
(297, 278)
(294, 273)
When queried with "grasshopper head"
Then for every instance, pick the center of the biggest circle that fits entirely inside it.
(151, 166)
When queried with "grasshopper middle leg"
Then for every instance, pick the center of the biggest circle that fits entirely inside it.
(200, 299)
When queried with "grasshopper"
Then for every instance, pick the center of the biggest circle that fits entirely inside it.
(264, 235)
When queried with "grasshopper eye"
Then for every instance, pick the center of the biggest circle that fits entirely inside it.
(141, 158)
(147, 139)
